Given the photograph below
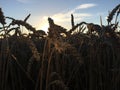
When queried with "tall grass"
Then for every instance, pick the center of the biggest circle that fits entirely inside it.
(61, 59)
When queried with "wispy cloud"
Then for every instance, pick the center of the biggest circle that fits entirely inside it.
(66, 16)
(84, 6)
(61, 17)
(23, 1)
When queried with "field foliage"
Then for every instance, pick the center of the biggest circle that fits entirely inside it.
(86, 57)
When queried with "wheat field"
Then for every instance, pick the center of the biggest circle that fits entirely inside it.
(86, 57)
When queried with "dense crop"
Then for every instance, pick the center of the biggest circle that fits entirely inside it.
(86, 57)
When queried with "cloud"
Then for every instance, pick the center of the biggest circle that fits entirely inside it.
(84, 6)
(63, 18)
(23, 1)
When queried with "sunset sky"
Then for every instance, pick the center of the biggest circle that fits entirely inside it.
(59, 10)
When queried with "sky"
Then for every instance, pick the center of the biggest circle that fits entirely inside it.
(59, 10)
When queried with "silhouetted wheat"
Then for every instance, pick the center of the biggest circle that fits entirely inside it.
(112, 13)
(2, 17)
(86, 57)
(23, 23)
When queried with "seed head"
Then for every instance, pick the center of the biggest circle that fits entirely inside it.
(2, 17)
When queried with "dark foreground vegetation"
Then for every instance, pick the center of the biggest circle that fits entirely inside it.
(86, 57)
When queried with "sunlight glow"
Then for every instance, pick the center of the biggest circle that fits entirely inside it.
(44, 27)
